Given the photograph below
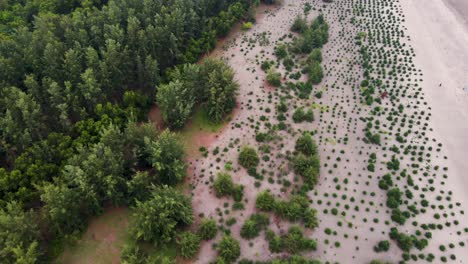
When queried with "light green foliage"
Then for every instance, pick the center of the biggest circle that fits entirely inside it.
(158, 219)
(224, 186)
(228, 249)
(308, 167)
(295, 209)
(300, 115)
(219, 89)
(166, 157)
(306, 145)
(62, 208)
(293, 242)
(19, 235)
(252, 226)
(207, 229)
(315, 55)
(281, 51)
(246, 25)
(176, 102)
(189, 244)
(273, 78)
(22, 121)
(265, 201)
(299, 25)
(315, 72)
(248, 157)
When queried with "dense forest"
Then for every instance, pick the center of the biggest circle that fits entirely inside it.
(77, 78)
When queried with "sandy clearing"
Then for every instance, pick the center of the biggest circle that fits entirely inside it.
(440, 41)
(338, 121)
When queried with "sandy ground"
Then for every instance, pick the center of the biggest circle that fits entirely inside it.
(439, 38)
(440, 41)
(439, 35)
(460, 8)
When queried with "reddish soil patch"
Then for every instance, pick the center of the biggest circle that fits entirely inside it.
(154, 116)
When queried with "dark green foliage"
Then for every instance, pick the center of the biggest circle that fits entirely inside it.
(210, 84)
(249, 230)
(207, 229)
(382, 246)
(303, 90)
(132, 254)
(189, 244)
(138, 186)
(404, 241)
(228, 249)
(266, 65)
(252, 226)
(372, 138)
(271, 2)
(394, 198)
(37, 164)
(393, 164)
(248, 157)
(158, 219)
(61, 70)
(385, 182)
(293, 242)
(310, 218)
(399, 216)
(223, 184)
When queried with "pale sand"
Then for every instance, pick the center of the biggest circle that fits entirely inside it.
(460, 8)
(439, 35)
(440, 41)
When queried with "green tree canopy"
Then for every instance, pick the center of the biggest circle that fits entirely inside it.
(19, 235)
(158, 219)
